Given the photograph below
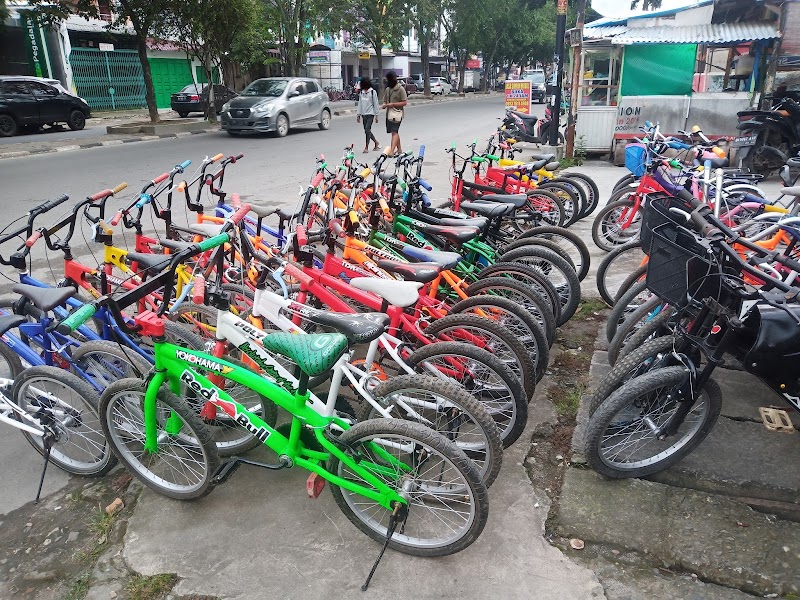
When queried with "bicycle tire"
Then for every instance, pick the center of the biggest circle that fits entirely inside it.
(628, 179)
(508, 408)
(570, 242)
(637, 319)
(635, 277)
(591, 189)
(529, 299)
(517, 320)
(630, 301)
(137, 367)
(579, 191)
(436, 445)
(606, 234)
(623, 193)
(99, 458)
(514, 355)
(635, 363)
(521, 242)
(552, 265)
(528, 276)
(549, 205)
(485, 448)
(569, 198)
(654, 328)
(204, 452)
(646, 386)
(607, 277)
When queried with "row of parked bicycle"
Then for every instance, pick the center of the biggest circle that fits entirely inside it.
(175, 352)
(701, 271)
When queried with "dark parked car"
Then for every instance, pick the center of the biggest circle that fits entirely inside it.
(194, 98)
(411, 86)
(30, 102)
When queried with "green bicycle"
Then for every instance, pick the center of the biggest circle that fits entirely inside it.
(399, 482)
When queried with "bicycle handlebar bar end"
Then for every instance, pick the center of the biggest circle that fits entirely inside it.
(217, 157)
(199, 290)
(160, 178)
(76, 319)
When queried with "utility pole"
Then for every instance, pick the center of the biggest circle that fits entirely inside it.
(561, 26)
(577, 51)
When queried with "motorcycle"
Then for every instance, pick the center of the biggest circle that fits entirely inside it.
(768, 137)
(529, 128)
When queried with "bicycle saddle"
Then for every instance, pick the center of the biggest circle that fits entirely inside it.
(9, 321)
(44, 298)
(357, 328)
(397, 293)
(150, 263)
(532, 166)
(545, 157)
(315, 354)
(446, 260)
(478, 222)
(454, 235)
(518, 200)
(206, 229)
(284, 215)
(493, 210)
(421, 272)
(263, 211)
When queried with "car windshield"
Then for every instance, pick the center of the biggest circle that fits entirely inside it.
(265, 87)
(193, 89)
(536, 77)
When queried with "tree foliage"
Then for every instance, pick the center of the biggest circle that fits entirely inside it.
(378, 23)
(646, 4)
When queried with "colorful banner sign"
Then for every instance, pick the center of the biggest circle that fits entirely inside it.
(319, 56)
(518, 96)
(34, 43)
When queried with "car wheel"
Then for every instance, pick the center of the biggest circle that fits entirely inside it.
(183, 115)
(8, 126)
(325, 121)
(282, 125)
(76, 120)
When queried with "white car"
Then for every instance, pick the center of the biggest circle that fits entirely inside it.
(439, 85)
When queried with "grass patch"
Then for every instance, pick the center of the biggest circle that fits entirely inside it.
(79, 587)
(102, 524)
(588, 307)
(150, 588)
(572, 362)
(566, 400)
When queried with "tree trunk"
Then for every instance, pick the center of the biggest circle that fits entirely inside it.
(211, 109)
(149, 90)
(462, 69)
(487, 65)
(425, 57)
(379, 56)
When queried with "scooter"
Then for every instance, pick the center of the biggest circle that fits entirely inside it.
(768, 137)
(529, 128)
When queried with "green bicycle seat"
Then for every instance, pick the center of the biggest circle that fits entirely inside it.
(314, 354)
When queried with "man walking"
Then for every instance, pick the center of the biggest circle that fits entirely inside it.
(394, 101)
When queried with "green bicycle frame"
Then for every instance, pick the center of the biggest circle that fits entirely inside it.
(177, 366)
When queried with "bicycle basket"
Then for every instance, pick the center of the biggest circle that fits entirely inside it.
(679, 265)
(636, 159)
(656, 212)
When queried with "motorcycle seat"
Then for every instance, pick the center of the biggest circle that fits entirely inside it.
(396, 293)
(525, 117)
(423, 272)
(492, 210)
(446, 260)
(518, 200)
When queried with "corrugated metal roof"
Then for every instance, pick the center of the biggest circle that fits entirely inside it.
(596, 33)
(641, 14)
(718, 33)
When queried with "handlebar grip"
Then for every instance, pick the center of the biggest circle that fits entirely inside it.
(385, 207)
(336, 228)
(240, 214)
(116, 219)
(217, 157)
(53, 203)
(98, 196)
(421, 153)
(302, 238)
(199, 290)
(119, 188)
(492, 157)
(452, 145)
(236, 201)
(181, 186)
(317, 180)
(365, 173)
(217, 240)
(425, 185)
(144, 200)
(322, 157)
(478, 159)
(160, 178)
(76, 319)
(237, 157)
(185, 164)
(426, 202)
(33, 238)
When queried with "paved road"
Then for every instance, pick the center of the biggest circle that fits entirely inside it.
(94, 128)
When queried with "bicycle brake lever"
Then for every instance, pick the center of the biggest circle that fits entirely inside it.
(277, 275)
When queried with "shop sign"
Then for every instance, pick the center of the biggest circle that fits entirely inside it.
(473, 63)
(33, 40)
(363, 55)
(319, 56)
(518, 96)
(629, 116)
(105, 47)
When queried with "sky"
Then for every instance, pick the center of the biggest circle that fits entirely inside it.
(622, 8)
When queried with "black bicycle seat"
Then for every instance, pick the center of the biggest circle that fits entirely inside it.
(263, 211)
(44, 298)
(545, 157)
(175, 245)
(9, 321)
(152, 263)
(285, 215)
(518, 200)
(357, 329)
(492, 210)
(423, 272)
(454, 235)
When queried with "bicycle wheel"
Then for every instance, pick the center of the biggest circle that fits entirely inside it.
(66, 405)
(447, 408)
(616, 224)
(625, 180)
(521, 294)
(105, 362)
(569, 198)
(627, 435)
(537, 241)
(589, 187)
(638, 362)
(184, 465)
(529, 277)
(514, 318)
(579, 192)
(484, 376)
(637, 295)
(655, 327)
(616, 267)
(571, 243)
(645, 313)
(549, 205)
(493, 337)
(558, 272)
(448, 503)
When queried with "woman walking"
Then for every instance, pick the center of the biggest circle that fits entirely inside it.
(367, 111)
(394, 99)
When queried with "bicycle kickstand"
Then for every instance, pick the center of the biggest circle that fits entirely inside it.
(394, 518)
(47, 442)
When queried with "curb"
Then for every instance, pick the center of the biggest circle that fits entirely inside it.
(96, 144)
(352, 111)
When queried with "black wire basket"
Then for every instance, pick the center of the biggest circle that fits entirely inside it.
(656, 212)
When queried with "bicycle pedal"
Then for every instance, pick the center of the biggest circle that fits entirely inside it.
(314, 485)
(775, 419)
(225, 470)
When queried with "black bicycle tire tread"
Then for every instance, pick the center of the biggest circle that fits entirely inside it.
(625, 331)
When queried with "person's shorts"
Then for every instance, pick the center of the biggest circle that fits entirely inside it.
(392, 127)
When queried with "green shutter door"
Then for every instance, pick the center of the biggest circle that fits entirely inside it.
(674, 64)
(169, 76)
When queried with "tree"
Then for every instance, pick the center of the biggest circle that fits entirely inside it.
(378, 23)
(426, 17)
(206, 30)
(462, 21)
(646, 4)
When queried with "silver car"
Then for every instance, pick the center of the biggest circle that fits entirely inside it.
(276, 104)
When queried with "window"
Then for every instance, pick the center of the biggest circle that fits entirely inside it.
(265, 87)
(311, 87)
(600, 79)
(298, 87)
(16, 87)
(41, 90)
